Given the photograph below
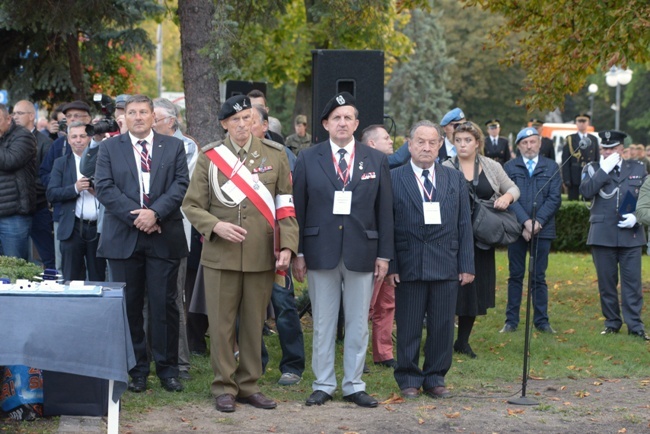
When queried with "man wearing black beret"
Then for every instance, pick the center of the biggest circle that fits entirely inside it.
(343, 198)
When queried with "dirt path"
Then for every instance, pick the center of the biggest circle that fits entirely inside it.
(566, 406)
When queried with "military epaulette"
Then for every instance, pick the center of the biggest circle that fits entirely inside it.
(212, 145)
(272, 144)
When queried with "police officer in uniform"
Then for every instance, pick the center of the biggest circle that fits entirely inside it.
(230, 202)
(615, 236)
(581, 155)
(496, 147)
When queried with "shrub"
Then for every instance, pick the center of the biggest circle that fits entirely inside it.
(572, 227)
(16, 268)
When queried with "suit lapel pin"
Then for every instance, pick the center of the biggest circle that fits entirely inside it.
(256, 154)
(360, 165)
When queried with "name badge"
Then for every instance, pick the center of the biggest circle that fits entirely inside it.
(342, 202)
(233, 192)
(146, 178)
(431, 213)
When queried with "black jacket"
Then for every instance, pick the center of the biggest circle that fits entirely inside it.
(17, 171)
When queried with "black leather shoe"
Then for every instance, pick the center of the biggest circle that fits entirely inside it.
(609, 331)
(508, 329)
(390, 363)
(438, 392)
(546, 328)
(225, 403)
(258, 400)
(318, 397)
(138, 384)
(640, 334)
(171, 384)
(464, 349)
(362, 399)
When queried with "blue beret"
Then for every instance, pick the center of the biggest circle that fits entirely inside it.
(526, 132)
(454, 115)
(339, 100)
(611, 138)
(234, 105)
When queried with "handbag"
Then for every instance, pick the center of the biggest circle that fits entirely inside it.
(491, 227)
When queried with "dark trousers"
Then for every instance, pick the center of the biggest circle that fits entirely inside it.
(608, 260)
(412, 301)
(143, 272)
(289, 329)
(517, 252)
(573, 192)
(43, 236)
(79, 253)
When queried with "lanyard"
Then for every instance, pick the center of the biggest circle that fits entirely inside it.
(338, 169)
(429, 195)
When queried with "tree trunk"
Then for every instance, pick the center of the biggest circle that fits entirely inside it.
(202, 99)
(76, 71)
(303, 103)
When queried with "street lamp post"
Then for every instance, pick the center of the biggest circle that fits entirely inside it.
(593, 89)
(617, 77)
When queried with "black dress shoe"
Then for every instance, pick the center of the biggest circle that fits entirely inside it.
(225, 403)
(362, 399)
(609, 331)
(138, 384)
(546, 328)
(640, 334)
(438, 392)
(464, 349)
(171, 384)
(390, 363)
(318, 397)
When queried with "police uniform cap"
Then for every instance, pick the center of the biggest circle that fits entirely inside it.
(339, 100)
(120, 101)
(526, 132)
(582, 116)
(454, 115)
(234, 105)
(76, 105)
(534, 122)
(493, 122)
(611, 138)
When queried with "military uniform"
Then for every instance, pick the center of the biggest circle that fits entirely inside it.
(239, 276)
(613, 246)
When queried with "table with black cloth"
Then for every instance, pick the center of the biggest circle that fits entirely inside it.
(83, 335)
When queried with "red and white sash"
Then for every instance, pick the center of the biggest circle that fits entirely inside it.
(256, 192)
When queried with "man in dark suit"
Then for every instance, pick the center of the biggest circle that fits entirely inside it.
(448, 124)
(141, 179)
(77, 229)
(538, 183)
(496, 148)
(581, 155)
(615, 236)
(548, 147)
(344, 208)
(434, 248)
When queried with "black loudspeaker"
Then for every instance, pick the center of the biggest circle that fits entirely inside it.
(237, 87)
(359, 72)
(74, 395)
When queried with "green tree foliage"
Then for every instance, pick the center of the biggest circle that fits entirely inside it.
(562, 42)
(418, 84)
(480, 85)
(52, 50)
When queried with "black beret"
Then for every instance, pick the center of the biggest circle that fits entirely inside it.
(339, 100)
(234, 105)
(76, 105)
(611, 138)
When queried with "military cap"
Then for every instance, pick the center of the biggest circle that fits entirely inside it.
(582, 116)
(526, 132)
(234, 105)
(120, 101)
(611, 138)
(455, 115)
(300, 120)
(493, 123)
(339, 100)
(76, 105)
(534, 122)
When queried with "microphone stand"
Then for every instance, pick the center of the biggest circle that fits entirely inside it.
(523, 399)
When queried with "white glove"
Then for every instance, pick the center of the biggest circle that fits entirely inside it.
(608, 164)
(629, 222)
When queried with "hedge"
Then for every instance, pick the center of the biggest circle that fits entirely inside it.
(572, 227)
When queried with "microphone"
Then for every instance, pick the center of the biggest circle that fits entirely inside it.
(584, 143)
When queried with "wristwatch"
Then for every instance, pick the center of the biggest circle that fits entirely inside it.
(155, 213)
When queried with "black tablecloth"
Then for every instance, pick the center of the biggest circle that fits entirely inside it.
(78, 335)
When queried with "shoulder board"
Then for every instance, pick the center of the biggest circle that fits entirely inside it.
(272, 144)
(212, 145)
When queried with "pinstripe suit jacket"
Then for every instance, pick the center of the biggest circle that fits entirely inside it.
(432, 252)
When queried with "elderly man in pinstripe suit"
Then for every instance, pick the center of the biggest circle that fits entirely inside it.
(434, 251)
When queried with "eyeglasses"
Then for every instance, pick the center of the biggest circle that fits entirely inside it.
(77, 116)
(20, 113)
(155, 121)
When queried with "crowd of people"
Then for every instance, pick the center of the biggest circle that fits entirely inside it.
(384, 235)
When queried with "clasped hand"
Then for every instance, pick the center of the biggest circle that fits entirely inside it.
(146, 221)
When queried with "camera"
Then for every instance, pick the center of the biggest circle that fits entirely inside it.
(63, 125)
(106, 105)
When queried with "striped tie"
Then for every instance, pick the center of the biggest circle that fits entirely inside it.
(145, 164)
(343, 167)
